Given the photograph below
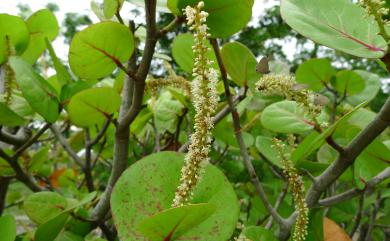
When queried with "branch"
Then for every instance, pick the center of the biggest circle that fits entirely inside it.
(170, 26)
(243, 150)
(65, 145)
(88, 162)
(278, 202)
(21, 175)
(133, 92)
(370, 185)
(100, 134)
(15, 139)
(350, 153)
(31, 141)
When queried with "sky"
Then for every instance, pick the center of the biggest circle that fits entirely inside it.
(83, 7)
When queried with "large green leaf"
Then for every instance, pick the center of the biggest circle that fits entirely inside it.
(111, 7)
(315, 73)
(176, 221)
(42, 24)
(15, 29)
(372, 86)
(285, 117)
(42, 206)
(97, 50)
(226, 17)
(240, 63)
(348, 82)
(9, 118)
(93, 106)
(41, 96)
(338, 24)
(7, 228)
(183, 54)
(149, 186)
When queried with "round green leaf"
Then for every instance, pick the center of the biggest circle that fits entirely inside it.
(93, 106)
(174, 222)
(226, 17)
(7, 228)
(40, 207)
(41, 96)
(111, 7)
(285, 117)
(42, 24)
(348, 82)
(240, 63)
(97, 50)
(338, 24)
(371, 88)
(183, 54)
(315, 73)
(149, 186)
(9, 118)
(15, 28)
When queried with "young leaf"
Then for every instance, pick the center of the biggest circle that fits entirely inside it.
(7, 228)
(97, 50)
(111, 7)
(148, 187)
(174, 222)
(315, 73)
(63, 75)
(15, 30)
(41, 96)
(42, 24)
(285, 117)
(9, 118)
(93, 106)
(338, 24)
(240, 63)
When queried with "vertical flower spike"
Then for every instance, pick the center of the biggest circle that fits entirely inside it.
(205, 100)
(297, 188)
(9, 74)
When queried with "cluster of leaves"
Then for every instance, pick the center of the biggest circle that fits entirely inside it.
(92, 148)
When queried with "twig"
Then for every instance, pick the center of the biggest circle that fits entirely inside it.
(88, 168)
(355, 191)
(279, 201)
(358, 216)
(237, 130)
(374, 212)
(31, 141)
(64, 143)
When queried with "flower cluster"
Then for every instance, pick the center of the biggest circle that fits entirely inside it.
(9, 74)
(171, 81)
(297, 187)
(377, 9)
(285, 85)
(205, 100)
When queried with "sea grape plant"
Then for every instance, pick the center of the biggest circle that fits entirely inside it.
(214, 146)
